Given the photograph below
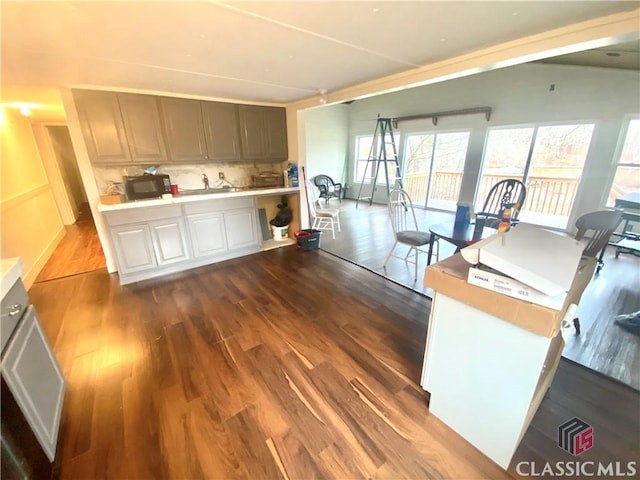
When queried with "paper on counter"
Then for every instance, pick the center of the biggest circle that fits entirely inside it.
(532, 255)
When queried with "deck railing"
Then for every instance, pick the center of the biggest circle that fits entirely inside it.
(545, 194)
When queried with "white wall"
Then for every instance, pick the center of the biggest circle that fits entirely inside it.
(30, 224)
(327, 134)
(517, 95)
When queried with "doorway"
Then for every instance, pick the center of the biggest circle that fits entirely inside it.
(80, 250)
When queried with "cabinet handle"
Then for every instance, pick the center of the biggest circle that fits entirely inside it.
(15, 310)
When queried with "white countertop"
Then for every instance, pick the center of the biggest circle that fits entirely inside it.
(196, 198)
(10, 270)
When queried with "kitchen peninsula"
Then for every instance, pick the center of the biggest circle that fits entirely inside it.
(156, 237)
(490, 358)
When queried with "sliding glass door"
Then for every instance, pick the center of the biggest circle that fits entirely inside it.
(548, 159)
(433, 166)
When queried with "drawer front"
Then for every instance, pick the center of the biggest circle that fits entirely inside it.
(14, 303)
(207, 206)
(136, 215)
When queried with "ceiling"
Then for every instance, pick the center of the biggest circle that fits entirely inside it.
(273, 52)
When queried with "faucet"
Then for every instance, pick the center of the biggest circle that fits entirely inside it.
(205, 180)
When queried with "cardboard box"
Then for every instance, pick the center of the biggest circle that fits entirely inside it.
(449, 277)
(111, 199)
(495, 281)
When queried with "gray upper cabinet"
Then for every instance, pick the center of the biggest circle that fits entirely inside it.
(121, 127)
(102, 126)
(142, 125)
(222, 131)
(184, 128)
(252, 132)
(276, 132)
(263, 131)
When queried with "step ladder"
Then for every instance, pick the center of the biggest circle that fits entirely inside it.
(383, 151)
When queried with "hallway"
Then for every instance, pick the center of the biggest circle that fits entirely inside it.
(78, 252)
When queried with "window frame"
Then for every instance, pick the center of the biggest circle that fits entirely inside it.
(615, 164)
(536, 126)
(435, 133)
(381, 177)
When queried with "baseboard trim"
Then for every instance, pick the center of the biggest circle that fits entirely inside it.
(30, 276)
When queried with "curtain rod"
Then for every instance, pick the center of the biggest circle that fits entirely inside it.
(434, 116)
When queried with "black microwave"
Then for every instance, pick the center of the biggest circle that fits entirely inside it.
(146, 186)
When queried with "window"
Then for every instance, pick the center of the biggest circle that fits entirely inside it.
(627, 178)
(548, 159)
(434, 163)
(363, 150)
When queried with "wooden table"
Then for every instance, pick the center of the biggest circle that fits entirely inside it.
(630, 242)
(459, 234)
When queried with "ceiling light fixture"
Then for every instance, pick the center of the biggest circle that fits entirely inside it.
(323, 96)
(25, 109)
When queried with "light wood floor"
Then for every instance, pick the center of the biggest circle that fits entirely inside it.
(283, 364)
(78, 252)
(367, 237)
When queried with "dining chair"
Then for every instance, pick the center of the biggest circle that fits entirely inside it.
(323, 218)
(405, 229)
(506, 192)
(594, 231)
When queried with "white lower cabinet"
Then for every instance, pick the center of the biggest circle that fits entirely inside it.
(241, 229)
(134, 248)
(169, 241)
(207, 234)
(150, 242)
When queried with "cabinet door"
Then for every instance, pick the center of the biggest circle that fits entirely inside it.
(184, 129)
(207, 234)
(142, 123)
(134, 248)
(241, 228)
(252, 132)
(276, 132)
(102, 126)
(221, 130)
(169, 241)
(35, 380)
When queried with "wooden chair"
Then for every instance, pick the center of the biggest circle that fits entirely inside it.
(603, 223)
(323, 218)
(328, 188)
(405, 229)
(595, 229)
(509, 191)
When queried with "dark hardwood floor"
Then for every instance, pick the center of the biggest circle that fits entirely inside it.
(366, 239)
(284, 364)
(78, 252)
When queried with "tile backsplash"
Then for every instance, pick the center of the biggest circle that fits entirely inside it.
(187, 176)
